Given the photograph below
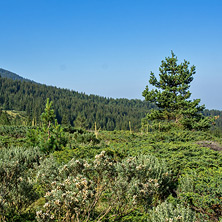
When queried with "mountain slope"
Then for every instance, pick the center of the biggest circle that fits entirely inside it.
(72, 107)
(10, 75)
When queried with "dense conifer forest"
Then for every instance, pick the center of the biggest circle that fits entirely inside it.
(71, 107)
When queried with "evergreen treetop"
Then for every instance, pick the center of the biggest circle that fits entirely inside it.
(171, 95)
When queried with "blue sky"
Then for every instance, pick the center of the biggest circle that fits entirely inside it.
(109, 47)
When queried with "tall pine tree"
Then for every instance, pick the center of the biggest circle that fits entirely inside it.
(171, 96)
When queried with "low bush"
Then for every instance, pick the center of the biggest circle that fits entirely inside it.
(104, 189)
(170, 213)
(202, 191)
(16, 188)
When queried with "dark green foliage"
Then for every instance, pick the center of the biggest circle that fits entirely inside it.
(216, 128)
(50, 136)
(48, 116)
(178, 148)
(108, 113)
(13, 135)
(65, 120)
(80, 122)
(202, 192)
(171, 96)
(13, 119)
(85, 138)
(71, 130)
(4, 118)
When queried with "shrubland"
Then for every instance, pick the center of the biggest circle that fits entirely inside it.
(170, 171)
(119, 176)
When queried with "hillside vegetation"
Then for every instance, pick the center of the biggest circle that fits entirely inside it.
(106, 176)
(72, 108)
(169, 170)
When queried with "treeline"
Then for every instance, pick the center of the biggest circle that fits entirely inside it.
(71, 107)
(74, 108)
(216, 128)
(217, 113)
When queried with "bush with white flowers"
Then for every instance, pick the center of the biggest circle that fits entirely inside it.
(104, 189)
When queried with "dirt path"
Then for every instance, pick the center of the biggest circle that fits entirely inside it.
(211, 144)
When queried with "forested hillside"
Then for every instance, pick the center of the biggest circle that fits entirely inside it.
(11, 75)
(71, 108)
(217, 113)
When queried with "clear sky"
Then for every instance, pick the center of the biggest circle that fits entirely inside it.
(109, 47)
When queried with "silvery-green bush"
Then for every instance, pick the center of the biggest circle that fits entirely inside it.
(104, 189)
(152, 178)
(16, 187)
(46, 172)
(167, 212)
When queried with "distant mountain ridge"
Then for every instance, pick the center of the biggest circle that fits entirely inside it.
(71, 108)
(20, 94)
(10, 75)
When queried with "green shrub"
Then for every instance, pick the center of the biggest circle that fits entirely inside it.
(203, 192)
(50, 136)
(85, 138)
(167, 212)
